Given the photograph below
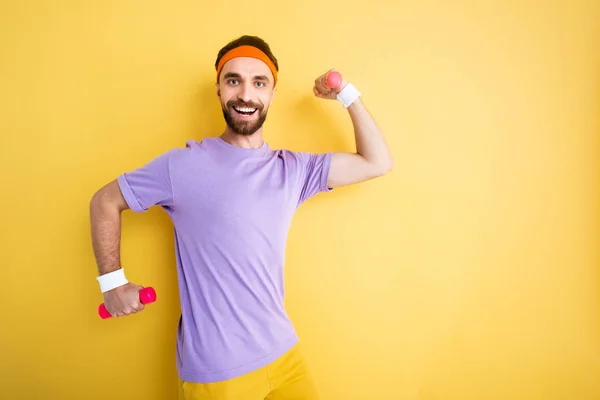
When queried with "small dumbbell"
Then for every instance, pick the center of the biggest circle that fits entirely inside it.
(333, 79)
(147, 295)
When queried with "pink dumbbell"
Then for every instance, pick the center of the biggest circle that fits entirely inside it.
(147, 295)
(334, 79)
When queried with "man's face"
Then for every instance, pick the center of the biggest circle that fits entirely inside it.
(246, 90)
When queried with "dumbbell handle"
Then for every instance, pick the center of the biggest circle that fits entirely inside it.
(147, 295)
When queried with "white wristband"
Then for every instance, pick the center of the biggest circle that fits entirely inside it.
(348, 95)
(112, 280)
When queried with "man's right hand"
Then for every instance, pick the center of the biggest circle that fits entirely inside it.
(123, 300)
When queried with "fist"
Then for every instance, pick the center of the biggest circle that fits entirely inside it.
(123, 300)
(322, 89)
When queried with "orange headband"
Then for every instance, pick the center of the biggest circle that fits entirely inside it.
(247, 51)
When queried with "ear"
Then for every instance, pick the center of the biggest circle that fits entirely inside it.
(217, 89)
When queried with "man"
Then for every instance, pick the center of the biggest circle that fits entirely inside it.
(231, 199)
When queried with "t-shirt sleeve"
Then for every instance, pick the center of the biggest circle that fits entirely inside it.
(314, 173)
(148, 185)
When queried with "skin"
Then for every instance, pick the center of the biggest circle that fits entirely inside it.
(248, 82)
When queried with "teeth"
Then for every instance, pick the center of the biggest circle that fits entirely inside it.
(245, 109)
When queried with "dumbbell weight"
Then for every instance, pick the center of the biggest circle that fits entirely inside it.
(147, 295)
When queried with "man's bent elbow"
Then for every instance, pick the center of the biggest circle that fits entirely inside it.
(385, 167)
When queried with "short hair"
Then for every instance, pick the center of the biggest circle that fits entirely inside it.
(248, 40)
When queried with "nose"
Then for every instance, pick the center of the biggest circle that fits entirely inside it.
(245, 93)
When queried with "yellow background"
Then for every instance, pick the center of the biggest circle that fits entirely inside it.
(471, 271)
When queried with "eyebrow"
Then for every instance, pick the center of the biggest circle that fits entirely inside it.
(236, 75)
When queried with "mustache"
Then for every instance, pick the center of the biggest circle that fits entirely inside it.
(240, 104)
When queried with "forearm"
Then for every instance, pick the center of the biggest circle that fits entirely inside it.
(105, 222)
(370, 143)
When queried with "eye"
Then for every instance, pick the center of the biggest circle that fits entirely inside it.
(232, 81)
(260, 84)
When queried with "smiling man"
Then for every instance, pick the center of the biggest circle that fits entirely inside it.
(232, 199)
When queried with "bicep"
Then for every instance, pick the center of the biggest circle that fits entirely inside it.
(350, 168)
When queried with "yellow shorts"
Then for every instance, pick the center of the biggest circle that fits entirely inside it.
(287, 378)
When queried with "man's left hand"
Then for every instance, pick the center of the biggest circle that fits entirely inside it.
(325, 92)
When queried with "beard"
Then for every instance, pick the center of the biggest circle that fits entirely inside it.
(243, 127)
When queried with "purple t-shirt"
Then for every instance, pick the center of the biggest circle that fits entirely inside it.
(231, 209)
